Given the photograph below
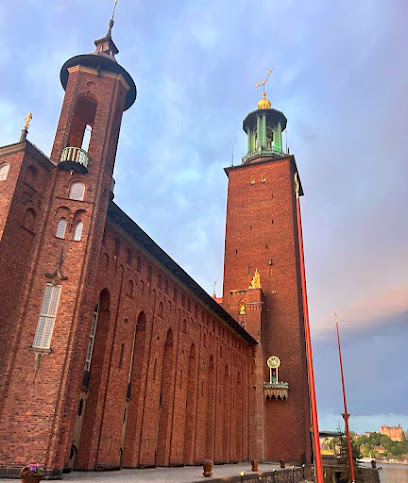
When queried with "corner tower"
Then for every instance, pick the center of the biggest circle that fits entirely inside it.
(47, 334)
(262, 287)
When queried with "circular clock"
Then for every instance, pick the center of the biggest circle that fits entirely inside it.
(273, 362)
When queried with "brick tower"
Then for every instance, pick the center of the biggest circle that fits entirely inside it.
(262, 287)
(63, 201)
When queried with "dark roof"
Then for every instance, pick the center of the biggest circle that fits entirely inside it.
(330, 434)
(150, 246)
(99, 60)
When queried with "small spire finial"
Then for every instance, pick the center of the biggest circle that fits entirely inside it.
(113, 11)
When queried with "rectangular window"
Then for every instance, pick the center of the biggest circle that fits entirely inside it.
(46, 321)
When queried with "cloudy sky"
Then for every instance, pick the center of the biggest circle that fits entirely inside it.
(341, 78)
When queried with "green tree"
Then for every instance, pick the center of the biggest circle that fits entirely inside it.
(344, 459)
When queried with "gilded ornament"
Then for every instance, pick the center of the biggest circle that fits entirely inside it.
(256, 281)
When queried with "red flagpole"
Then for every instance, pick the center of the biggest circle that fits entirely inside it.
(346, 415)
(315, 425)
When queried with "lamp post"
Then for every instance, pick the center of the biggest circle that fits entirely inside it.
(242, 473)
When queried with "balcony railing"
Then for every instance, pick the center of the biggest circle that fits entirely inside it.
(73, 158)
(276, 390)
(263, 152)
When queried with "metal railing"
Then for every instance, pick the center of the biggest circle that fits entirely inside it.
(77, 155)
(263, 152)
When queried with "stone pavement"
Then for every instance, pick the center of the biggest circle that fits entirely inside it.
(186, 474)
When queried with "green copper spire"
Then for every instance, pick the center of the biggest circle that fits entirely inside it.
(264, 128)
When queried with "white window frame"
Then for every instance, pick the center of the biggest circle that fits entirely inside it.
(91, 343)
(73, 191)
(48, 313)
(4, 171)
(60, 233)
(77, 234)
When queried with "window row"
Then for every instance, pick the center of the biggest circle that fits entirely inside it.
(263, 179)
(76, 233)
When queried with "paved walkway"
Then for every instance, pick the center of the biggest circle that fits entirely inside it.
(187, 474)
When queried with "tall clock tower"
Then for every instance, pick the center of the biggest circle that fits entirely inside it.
(262, 287)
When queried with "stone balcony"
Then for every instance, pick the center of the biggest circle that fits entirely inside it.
(74, 159)
(276, 390)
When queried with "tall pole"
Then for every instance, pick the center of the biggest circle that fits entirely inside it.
(312, 389)
(346, 415)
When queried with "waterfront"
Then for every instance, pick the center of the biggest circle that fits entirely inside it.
(393, 473)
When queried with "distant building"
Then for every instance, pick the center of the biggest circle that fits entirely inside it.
(394, 432)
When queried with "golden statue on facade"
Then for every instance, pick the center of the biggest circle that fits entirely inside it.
(256, 281)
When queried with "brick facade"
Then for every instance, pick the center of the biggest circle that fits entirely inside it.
(171, 377)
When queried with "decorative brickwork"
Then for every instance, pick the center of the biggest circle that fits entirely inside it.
(143, 368)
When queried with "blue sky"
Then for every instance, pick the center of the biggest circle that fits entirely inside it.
(341, 78)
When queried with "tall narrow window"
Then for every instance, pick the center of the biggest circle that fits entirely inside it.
(78, 231)
(4, 169)
(77, 191)
(149, 273)
(91, 339)
(46, 320)
(87, 137)
(62, 226)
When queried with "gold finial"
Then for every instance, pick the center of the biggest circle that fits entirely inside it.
(264, 103)
(27, 121)
(256, 281)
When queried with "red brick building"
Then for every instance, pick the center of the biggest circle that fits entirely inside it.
(111, 355)
(396, 433)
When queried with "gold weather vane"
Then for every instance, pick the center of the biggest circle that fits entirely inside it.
(264, 81)
(264, 103)
(27, 121)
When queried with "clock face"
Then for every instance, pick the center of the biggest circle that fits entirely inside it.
(273, 362)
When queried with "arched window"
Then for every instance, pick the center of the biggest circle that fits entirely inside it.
(129, 256)
(149, 273)
(62, 226)
(138, 264)
(77, 191)
(159, 281)
(183, 300)
(175, 294)
(29, 220)
(4, 169)
(166, 287)
(77, 234)
(184, 326)
(160, 311)
(264, 178)
(129, 290)
(252, 179)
